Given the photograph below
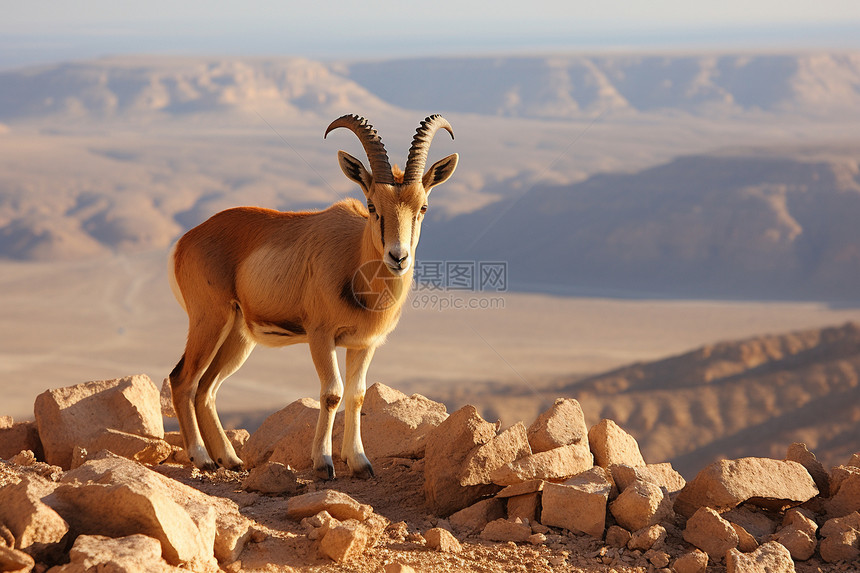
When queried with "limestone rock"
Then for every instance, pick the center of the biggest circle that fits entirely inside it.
(481, 462)
(755, 521)
(398, 568)
(14, 561)
(651, 537)
(659, 559)
(526, 506)
(396, 425)
(36, 527)
(617, 536)
(769, 558)
(271, 477)
(75, 415)
(338, 504)
(448, 446)
(798, 452)
(346, 541)
(844, 490)
(841, 538)
(507, 530)
(112, 496)
(612, 445)
(798, 534)
(761, 481)
(640, 505)
(746, 541)
(146, 450)
(129, 554)
(693, 562)
(555, 465)
(443, 540)
(18, 437)
(710, 533)
(475, 517)
(286, 436)
(562, 424)
(579, 504)
(663, 475)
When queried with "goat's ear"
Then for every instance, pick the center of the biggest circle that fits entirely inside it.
(440, 172)
(354, 170)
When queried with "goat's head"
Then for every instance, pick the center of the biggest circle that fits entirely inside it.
(396, 200)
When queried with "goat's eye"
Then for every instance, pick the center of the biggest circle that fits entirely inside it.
(423, 209)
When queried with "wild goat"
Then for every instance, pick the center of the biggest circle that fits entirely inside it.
(336, 277)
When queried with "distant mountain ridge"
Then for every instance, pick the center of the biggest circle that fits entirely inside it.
(542, 87)
(739, 224)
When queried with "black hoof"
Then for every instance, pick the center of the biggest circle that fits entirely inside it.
(365, 472)
(325, 472)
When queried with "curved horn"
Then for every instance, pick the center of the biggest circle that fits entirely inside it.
(421, 145)
(379, 165)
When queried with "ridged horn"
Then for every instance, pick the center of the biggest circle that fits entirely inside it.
(380, 167)
(421, 145)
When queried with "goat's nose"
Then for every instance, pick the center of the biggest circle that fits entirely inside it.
(397, 258)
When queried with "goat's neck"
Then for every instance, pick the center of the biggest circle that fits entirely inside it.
(380, 279)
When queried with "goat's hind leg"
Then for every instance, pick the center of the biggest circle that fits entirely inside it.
(230, 357)
(352, 451)
(205, 337)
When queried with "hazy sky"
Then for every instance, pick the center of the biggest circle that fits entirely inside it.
(44, 31)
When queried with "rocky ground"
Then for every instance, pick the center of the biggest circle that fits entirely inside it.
(96, 484)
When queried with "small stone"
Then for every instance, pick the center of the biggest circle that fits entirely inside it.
(36, 528)
(345, 541)
(14, 561)
(442, 540)
(658, 559)
(129, 554)
(579, 504)
(612, 445)
(338, 504)
(746, 542)
(755, 521)
(710, 533)
(272, 477)
(640, 505)
(844, 490)
(507, 530)
(841, 538)
(17, 437)
(798, 534)
(798, 452)
(659, 474)
(397, 567)
(562, 424)
(617, 536)
(648, 538)
(537, 539)
(475, 517)
(693, 562)
(771, 557)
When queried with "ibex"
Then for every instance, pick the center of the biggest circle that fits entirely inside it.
(336, 277)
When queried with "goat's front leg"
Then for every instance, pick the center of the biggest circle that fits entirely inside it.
(331, 391)
(357, 361)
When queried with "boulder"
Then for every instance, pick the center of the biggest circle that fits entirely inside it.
(396, 425)
(77, 415)
(692, 562)
(579, 504)
(844, 490)
(769, 558)
(798, 452)
(840, 538)
(37, 529)
(562, 424)
(14, 561)
(271, 477)
(663, 475)
(475, 517)
(443, 540)
(448, 445)
(336, 503)
(710, 533)
(129, 554)
(651, 537)
(482, 461)
(515, 530)
(763, 482)
(640, 505)
(112, 496)
(612, 445)
(555, 465)
(798, 534)
(16, 437)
